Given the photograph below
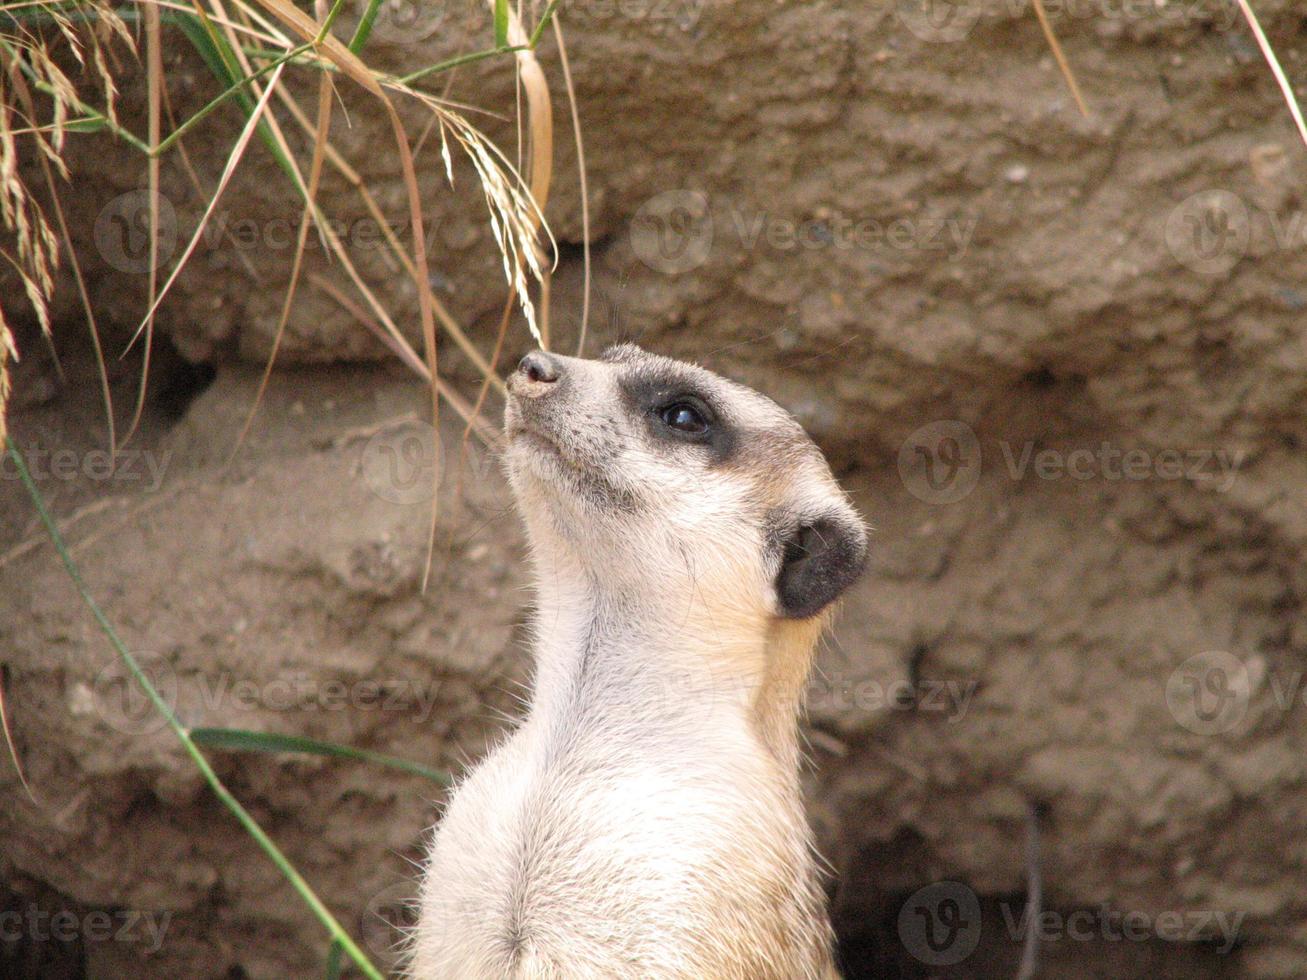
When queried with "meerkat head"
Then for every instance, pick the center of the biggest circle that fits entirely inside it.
(672, 485)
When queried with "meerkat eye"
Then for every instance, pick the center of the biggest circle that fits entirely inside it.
(684, 417)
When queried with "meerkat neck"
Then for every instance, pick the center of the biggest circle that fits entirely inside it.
(602, 654)
(595, 652)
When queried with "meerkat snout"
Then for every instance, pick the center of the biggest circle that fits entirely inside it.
(535, 370)
(644, 821)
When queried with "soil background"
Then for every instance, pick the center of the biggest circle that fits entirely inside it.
(1059, 362)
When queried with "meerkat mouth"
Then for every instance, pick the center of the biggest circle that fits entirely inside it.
(546, 450)
(564, 471)
(520, 432)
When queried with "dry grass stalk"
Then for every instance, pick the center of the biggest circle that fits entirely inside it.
(26, 62)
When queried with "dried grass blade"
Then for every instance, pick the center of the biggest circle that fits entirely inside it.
(540, 127)
(354, 67)
(1062, 63)
(9, 741)
(233, 159)
(411, 360)
(154, 83)
(581, 174)
(84, 296)
(306, 219)
(1273, 60)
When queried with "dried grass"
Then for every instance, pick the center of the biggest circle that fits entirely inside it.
(287, 38)
(26, 63)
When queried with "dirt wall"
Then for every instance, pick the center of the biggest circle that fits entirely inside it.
(1059, 362)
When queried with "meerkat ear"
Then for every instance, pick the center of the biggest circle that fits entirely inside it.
(820, 558)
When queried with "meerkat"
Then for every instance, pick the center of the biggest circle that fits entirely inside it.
(644, 820)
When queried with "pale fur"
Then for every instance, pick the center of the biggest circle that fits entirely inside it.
(644, 820)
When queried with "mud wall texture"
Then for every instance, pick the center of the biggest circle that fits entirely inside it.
(1060, 363)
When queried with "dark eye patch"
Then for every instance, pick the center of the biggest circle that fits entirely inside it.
(677, 410)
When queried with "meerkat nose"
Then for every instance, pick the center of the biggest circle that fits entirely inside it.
(539, 367)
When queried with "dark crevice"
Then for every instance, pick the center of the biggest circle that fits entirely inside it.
(175, 382)
(1041, 377)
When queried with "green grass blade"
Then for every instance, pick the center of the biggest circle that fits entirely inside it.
(221, 61)
(237, 90)
(91, 124)
(501, 23)
(334, 955)
(205, 46)
(332, 14)
(364, 30)
(462, 59)
(247, 741)
(544, 22)
(274, 853)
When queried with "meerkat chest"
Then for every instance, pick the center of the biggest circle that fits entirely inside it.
(615, 856)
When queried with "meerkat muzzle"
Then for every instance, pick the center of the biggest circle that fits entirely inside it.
(536, 374)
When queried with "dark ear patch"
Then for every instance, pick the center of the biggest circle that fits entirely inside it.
(819, 560)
